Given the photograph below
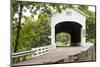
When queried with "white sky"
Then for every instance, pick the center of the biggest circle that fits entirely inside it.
(92, 8)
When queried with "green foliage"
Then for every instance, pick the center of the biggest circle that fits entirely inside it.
(91, 29)
(33, 34)
(63, 37)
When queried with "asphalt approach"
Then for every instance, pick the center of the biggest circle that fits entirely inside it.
(60, 53)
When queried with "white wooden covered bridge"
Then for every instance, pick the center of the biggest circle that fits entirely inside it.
(70, 21)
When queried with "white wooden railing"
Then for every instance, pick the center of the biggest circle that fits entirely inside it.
(42, 50)
(35, 52)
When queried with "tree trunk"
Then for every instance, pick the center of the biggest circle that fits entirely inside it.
(18, 29)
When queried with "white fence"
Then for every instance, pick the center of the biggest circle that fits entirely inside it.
(34, 52)
(42, 50)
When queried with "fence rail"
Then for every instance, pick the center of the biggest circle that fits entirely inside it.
(24, 53)
(42, 50)
(34, 52)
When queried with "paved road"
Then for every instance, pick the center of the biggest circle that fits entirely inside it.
(54, 56)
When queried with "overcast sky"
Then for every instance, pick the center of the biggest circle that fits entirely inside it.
(92, 8)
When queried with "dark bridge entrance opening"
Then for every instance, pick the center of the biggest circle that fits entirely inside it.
(73, 28)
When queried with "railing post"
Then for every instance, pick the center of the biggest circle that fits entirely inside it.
(24, 58)
(13, 60)
(17, 59)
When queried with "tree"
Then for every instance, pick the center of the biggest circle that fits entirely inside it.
(63, 37)
(18, 8)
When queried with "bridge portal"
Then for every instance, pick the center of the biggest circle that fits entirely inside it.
(70, 21)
